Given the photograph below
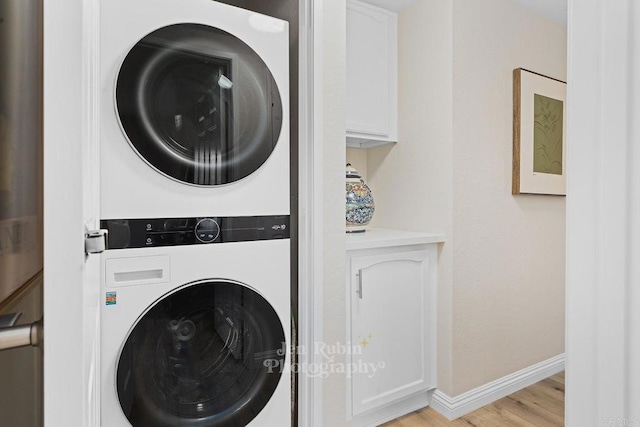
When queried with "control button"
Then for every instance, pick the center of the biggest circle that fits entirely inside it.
(150, 225)
(207, 230)
(154, 240)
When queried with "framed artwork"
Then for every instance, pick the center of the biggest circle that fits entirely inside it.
(539, 139)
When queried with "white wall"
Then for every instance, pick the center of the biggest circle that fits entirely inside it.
(508, 251)
(333, 56)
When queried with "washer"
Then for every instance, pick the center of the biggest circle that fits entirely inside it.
(194, 110)
(196, 327)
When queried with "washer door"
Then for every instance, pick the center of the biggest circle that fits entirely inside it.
(208, 354)
(198, 104)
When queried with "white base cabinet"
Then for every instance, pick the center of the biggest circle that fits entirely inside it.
(391, 312)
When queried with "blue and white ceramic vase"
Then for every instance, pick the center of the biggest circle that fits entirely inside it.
(360, 206)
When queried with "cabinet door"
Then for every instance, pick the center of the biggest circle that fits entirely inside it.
(371, 61)
(389, 328)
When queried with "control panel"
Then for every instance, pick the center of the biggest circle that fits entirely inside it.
(142, 233)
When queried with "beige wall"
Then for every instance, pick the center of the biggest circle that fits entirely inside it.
(509, 252)
(333, 48)
(412, 180)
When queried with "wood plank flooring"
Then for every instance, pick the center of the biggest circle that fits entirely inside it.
(540, 405)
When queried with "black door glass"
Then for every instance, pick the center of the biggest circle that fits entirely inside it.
(209, 354)
(198, 104)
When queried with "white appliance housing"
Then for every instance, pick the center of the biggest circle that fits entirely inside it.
(131, 188)
(140, 278)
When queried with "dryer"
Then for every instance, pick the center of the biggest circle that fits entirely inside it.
(194, 187)
(194, 110)
(196, 334)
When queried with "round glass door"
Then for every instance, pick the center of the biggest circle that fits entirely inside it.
(208, 354)
(198, 104)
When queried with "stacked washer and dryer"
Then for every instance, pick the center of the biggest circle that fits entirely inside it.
(195, 197)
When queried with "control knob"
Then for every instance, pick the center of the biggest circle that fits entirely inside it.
(207, 230)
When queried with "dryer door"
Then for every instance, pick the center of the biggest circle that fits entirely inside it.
(198, 104)
(207, 354)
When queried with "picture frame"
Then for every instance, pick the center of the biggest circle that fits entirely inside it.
(539, 134)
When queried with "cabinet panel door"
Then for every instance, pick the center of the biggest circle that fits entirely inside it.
(389, 304)
(369, 56)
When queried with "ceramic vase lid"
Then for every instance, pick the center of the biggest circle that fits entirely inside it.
(351, 172)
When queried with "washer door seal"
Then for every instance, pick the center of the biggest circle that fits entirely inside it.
(198, 104)
(208, 354)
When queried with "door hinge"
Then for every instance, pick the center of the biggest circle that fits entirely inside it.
(95, 241)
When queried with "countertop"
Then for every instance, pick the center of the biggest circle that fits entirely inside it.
(381, 238)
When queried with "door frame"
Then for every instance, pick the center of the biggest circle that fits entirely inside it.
(603, 226)
(310, 229)
(71, 200)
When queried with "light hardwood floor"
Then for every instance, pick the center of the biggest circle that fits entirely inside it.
(540, 405)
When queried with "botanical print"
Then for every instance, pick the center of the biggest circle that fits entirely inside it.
(547, 135)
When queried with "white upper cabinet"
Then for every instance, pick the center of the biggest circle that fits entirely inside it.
(372, 75)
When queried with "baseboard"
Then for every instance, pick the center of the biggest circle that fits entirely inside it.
(457, 406)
